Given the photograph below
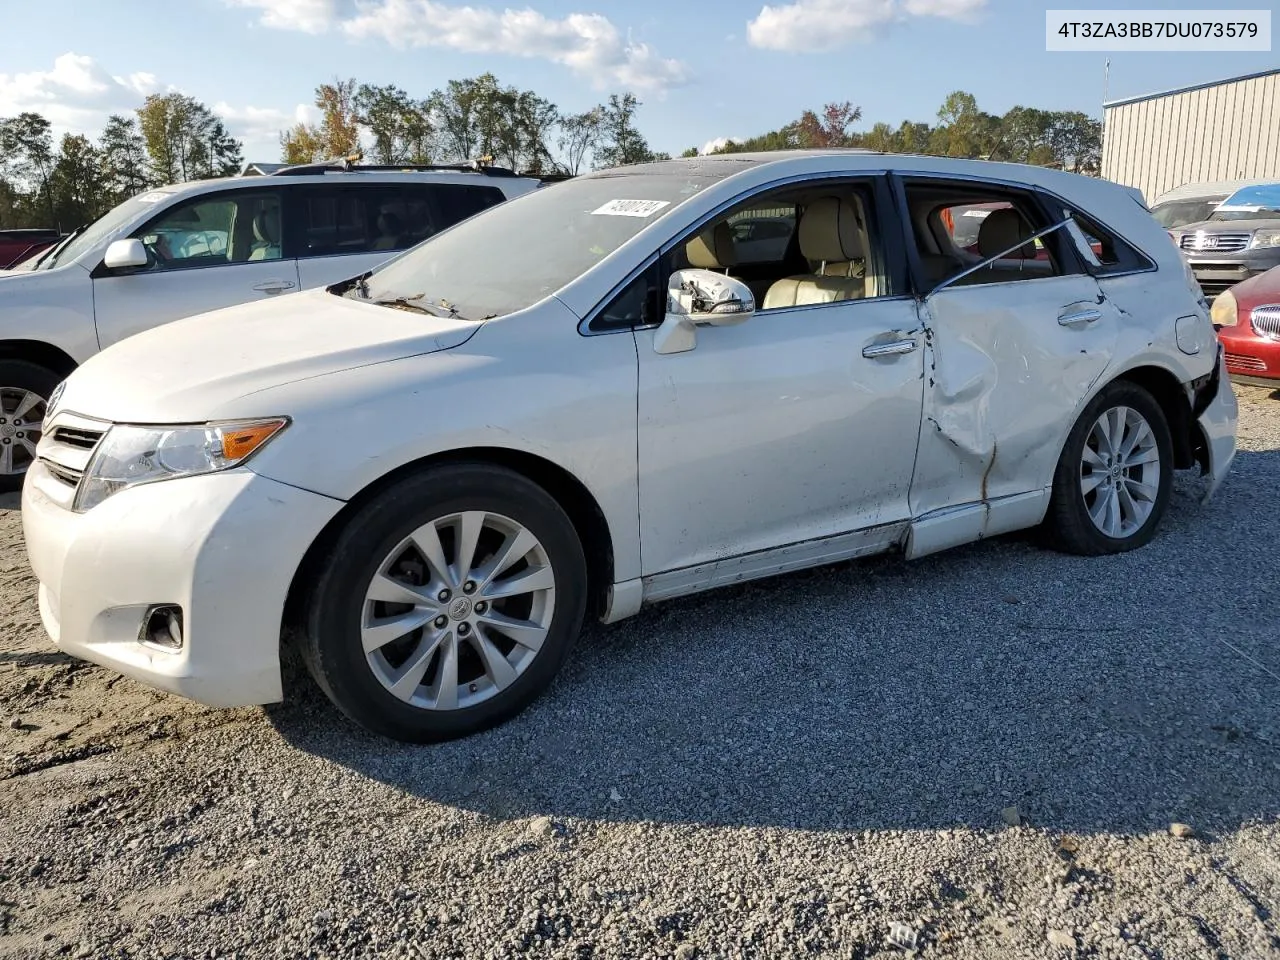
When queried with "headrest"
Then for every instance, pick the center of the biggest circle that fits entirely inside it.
(266, 226)
(1001, 230)
(388, 222)
(829, 231)
(712, 248)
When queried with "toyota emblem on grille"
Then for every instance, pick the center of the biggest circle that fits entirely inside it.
(54, 397)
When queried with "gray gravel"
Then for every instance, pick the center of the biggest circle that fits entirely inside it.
(781, 769)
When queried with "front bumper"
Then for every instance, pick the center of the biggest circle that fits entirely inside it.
(1250, 358)
(223, 547)
(1217, 416)
(1218, 273)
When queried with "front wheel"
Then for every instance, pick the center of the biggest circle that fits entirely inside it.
(24, 391)
(448, 603)
(1112, 483)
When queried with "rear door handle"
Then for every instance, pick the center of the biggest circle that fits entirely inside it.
(1087, 315)
(889, 349)
(274, 286)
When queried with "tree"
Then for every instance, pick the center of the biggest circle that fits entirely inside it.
(690, 152)
(123, 159)
(620, 142)
(185, 140)
(76, 181)
(579, 136)
(338, 134)
(880, 137)
(26, 151)
(1075, 140)
(400, 126)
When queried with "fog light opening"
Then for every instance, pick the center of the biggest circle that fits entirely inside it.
(162, 627)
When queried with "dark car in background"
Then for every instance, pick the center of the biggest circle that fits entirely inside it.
(1248, 320)
(1239, 240)
(19, 245)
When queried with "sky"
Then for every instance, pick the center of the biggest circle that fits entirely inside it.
(703, 69)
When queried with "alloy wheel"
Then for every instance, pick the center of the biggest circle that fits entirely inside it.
(1120, 472)
(21, 425)
(458, 610)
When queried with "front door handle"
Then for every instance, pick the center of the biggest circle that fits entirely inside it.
(1087, 315)
(889, 349)
(274, 286)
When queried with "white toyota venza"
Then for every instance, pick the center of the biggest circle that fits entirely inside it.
(627, 387)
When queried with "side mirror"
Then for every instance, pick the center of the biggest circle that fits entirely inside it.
(701, 298)
(124, 254)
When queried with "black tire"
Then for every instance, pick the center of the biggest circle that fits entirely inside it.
(1068, 525)
(331, 641)
(31, 377)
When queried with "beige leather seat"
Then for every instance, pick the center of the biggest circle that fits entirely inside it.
(390, 232)
(266, 235)
(1001, 230)
(831, 236)
(712, 249)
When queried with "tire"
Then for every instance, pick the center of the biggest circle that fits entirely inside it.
(20, 382)
(403, 537)
(1080, 520)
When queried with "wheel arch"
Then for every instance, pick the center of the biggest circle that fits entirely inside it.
(38, 352)
(568, 491)
(1169, 392)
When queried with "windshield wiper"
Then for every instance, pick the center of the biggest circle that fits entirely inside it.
(57, 247)
(420, 304)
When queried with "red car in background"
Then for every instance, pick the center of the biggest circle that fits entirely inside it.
(1248, 320)
(18, 245)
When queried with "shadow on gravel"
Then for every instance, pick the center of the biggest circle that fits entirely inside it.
(1093, 694)
(10, 501)
(34, 659)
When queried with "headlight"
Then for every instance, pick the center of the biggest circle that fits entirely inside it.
(1266, 238)
(129, 455)
(1223, 311)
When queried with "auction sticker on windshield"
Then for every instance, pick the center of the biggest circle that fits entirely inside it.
(631, 208)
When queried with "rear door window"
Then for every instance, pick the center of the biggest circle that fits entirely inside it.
(346, 218)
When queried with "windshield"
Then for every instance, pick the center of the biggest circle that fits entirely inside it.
(1250, 203)
(110, 223)
(519, 252)
(1178, 213)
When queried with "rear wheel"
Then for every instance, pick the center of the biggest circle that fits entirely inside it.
(447, 604)
(24, 391)
(1112, 483)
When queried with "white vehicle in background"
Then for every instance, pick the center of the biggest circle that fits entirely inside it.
(585, 401)
(193, 247)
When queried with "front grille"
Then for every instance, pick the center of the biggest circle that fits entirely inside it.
(1240, 362)
(77, 437)
(67, 446)
(1211, 288)
(1265, 320)
(1214, 242)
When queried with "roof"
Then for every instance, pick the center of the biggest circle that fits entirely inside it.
(1195, 86)
(1210, 188)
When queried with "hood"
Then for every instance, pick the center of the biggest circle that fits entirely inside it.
(1230, 226)
(183, 371)
(1257, 290)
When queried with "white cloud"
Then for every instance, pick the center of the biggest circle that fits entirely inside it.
(309, 16)
(717, 144)
(810, 25)
(262, 124)
(590, 44)
(78, 94)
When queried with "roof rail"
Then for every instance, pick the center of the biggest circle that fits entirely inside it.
(349, 164)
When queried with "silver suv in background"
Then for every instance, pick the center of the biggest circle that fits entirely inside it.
(179, 250)
(1238, 240)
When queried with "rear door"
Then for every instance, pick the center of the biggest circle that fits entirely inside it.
(211, 251)
(344, 229)
(1014, 348)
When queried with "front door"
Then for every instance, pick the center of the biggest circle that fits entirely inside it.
(213, 251)
(800, 423)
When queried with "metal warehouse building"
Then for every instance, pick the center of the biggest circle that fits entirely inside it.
(1226, 130)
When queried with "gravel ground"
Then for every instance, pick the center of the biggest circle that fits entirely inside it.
(787, 768)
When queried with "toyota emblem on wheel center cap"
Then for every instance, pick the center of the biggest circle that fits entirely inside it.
(460, 609)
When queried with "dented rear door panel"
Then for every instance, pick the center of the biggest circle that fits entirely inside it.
(1006, 369)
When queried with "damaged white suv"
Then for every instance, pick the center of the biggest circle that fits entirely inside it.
(611, 392)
